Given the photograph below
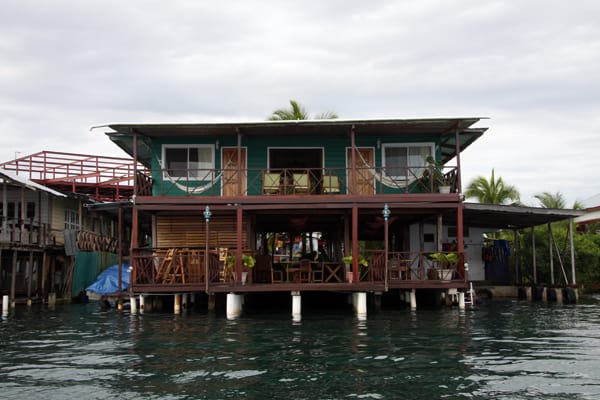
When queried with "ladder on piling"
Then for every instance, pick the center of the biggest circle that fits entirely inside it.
(470, 295)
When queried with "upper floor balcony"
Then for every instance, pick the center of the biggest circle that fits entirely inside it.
(230, 182)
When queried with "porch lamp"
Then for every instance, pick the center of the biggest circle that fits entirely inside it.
(386, 216)
(207, 214)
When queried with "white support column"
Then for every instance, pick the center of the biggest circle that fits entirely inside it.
(133, 304)
(296, 307)
(234, 305)
(177, 305)
(461, 300)
(5, 303)
(413, 299)
(361, 305)
(142, 303)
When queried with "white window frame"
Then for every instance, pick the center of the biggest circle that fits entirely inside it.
(71, 219)
(204, 171)
(415, 175)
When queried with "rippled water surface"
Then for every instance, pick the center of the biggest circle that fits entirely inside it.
(500, 350)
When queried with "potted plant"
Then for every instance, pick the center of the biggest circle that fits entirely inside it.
(444, 263)
(247, 261)
(348, 260)
(435, 176)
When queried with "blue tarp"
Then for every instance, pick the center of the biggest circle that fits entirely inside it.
(108, 280)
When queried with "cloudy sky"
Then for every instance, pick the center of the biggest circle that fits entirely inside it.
(532, 67)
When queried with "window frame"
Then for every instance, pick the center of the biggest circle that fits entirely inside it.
(204, 171)
(385, 146)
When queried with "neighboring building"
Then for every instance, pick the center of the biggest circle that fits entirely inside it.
(50, 242)
(591, 218)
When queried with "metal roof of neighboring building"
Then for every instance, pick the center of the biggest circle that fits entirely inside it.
(29, 184)
(513, 217)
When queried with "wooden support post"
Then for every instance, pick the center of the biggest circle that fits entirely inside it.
(355, 271)
(177, 305)
(29, 277)
(240, 244)
(550, 245)
(211, 302)
(13, 279)
(573, 279)
(533, 255)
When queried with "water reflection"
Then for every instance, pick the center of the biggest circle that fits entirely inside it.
(506, 350)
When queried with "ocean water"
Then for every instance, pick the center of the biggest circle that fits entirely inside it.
(498, 350)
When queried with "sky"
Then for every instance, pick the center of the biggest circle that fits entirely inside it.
(532, 68)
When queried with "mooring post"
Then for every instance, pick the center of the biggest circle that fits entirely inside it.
(142, 303)
(51, 299)
(296, 307)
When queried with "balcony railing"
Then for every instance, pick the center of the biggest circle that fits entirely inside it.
(27, 232)
(186, 266)
(303, 181)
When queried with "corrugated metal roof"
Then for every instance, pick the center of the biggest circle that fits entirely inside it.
(22, 181)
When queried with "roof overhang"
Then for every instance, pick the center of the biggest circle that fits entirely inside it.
(512, 217)
(444, 129)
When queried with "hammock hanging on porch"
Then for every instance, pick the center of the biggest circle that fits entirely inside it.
(196, 189)
(383, 178)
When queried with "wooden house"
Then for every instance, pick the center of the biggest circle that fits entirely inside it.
(286, 191)
(51, 243)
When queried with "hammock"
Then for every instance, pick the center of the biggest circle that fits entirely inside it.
(196, 189)
(386, 180)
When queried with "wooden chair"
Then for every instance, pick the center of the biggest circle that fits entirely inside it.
(317, 272)
(301, 183)
(276, 275)
(304, 273)
(331, 184)
(195, 264)
(271, 183)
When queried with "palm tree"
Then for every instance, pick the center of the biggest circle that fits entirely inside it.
(296, 112)
(555, 200)
(493, 191)
(551, 200)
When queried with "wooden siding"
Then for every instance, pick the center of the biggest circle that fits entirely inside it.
(186, 231)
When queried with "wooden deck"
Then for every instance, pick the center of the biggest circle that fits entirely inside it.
(187, 270)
